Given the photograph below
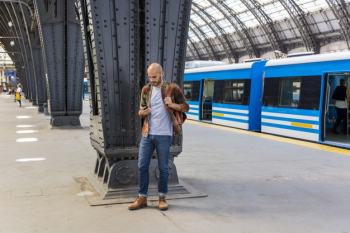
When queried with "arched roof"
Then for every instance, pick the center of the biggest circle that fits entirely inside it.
(231, 29)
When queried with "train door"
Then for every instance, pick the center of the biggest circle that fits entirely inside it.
(207, 99)
(340, 135)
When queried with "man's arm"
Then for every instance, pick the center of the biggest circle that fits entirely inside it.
(180, 104)
(143, 112)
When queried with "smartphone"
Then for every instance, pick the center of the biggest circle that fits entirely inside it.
(144, 105)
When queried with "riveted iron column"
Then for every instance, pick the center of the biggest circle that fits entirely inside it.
(121, 39)
(39, 72)
(27, 37)
(60, 39)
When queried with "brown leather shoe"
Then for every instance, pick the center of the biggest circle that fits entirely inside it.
(162, 203)
(139, 203)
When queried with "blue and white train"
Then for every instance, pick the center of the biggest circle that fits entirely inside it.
(289, 97)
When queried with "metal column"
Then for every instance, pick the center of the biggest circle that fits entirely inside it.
(121, 39)
(63, 59)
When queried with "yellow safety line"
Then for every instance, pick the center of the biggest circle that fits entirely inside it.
(277, 138)
(301, 125)
(218, 114)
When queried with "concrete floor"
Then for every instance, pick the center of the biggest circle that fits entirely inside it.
(254, 184)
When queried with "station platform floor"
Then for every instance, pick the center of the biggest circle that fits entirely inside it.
(255, 183)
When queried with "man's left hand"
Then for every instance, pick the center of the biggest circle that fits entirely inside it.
(168, 101)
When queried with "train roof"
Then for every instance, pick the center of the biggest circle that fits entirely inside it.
(219, 68)
(310, 59)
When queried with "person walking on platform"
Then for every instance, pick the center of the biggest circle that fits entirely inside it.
(340, 104)
(159, 126)
(19, 94)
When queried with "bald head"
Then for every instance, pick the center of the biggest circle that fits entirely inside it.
(155, 74)
(155, 67)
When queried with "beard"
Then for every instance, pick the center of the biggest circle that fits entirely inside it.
(157, 83)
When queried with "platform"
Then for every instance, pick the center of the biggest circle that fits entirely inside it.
(254, 182)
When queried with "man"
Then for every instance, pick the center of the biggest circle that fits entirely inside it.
(159, 126)
(340, 104)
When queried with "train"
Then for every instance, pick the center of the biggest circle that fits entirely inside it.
(85, 93)
(198, 64)
(289, 97)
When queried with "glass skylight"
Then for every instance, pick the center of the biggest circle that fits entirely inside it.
(273, 8)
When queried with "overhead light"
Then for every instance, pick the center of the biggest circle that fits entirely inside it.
(12, 43)
(10, 24)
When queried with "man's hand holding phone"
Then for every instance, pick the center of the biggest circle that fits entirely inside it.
(144, 110)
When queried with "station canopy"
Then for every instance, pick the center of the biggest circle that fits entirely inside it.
(232, 29)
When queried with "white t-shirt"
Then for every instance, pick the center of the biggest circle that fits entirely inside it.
(159, 121)
(19, 90)
(340, 103)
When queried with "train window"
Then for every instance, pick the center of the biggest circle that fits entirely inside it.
(188, 90)
(195, 90)
(218, 91)
(310, 92)
(191, 90)
(233, 91)
(290, 92)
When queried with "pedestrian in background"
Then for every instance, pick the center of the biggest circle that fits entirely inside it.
(340, 103)
(19, 94)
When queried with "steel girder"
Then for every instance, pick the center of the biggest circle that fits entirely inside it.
(23, 49)
(340, 11)
(173, 24)
(31, 84)
(266, 23)
(195, 49)
(7, 36)
(36, 56)
(299, 18)
(220, 33)
(23, 29)
(121, 39)
(331, 39)
(192, 50)
(19, 46)
(39, 70)
(111, 41)
(239, 26)
(213, 54)
(62, 51)
(203, 43)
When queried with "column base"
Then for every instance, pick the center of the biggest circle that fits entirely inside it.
(120, 179)
(41, 108)
(65, 121)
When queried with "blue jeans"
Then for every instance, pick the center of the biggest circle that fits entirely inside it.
(147, 145)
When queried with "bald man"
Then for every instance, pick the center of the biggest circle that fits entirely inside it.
(159, 126)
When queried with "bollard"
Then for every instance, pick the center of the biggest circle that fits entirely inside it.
(46, 110)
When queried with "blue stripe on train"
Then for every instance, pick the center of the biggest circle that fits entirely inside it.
(230, 119)
(291, 127)
(192, 113)
(293, 111)
(193, 103)
(306, 69)
(291, 119)
(230, 106)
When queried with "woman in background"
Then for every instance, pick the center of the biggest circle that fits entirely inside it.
(19, 94)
